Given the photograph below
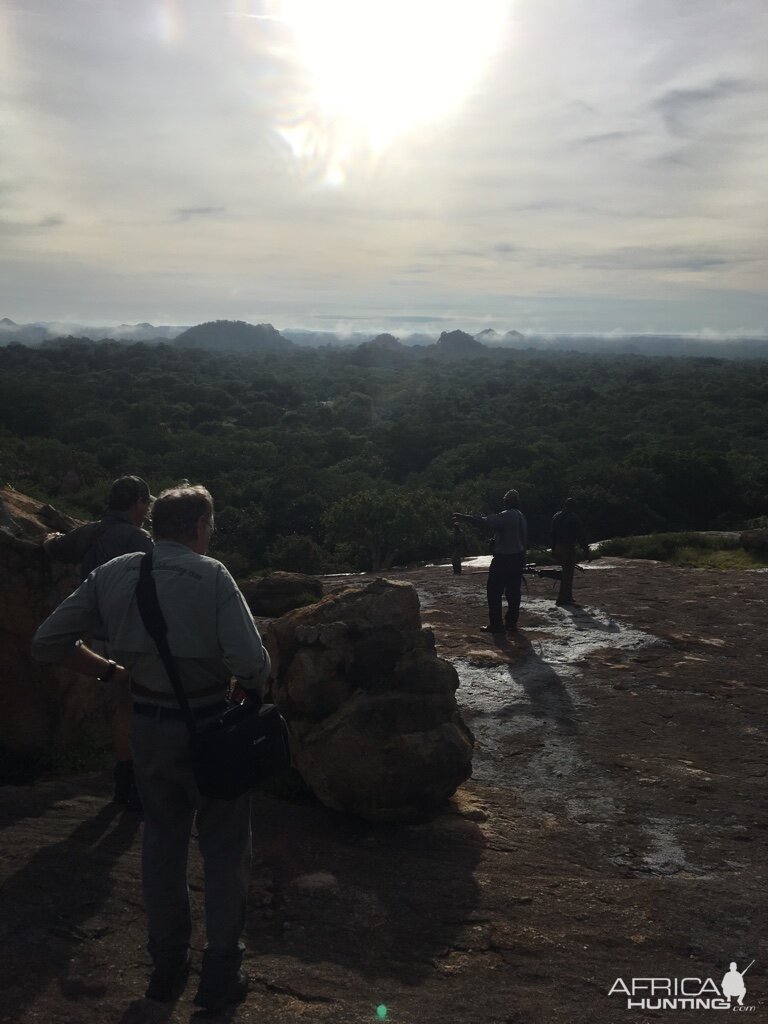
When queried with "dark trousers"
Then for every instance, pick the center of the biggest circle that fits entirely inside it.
(566, 556)
(505, 576)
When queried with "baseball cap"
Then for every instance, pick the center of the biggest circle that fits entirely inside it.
(126, 491)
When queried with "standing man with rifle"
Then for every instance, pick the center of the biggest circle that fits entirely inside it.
(567, 533)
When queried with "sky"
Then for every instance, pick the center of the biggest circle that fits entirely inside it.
(546, 166)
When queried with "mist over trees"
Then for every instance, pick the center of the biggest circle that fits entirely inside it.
(318, 460)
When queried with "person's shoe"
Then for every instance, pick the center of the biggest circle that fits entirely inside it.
(491, 629)
(167, 982)
(217, 989)
(510, 628)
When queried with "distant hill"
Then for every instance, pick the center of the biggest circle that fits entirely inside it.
(383, 350)
(234, 336)
(239, 336)
(457, 345)
(35, 333)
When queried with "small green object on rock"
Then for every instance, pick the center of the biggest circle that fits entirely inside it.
(381, 1012)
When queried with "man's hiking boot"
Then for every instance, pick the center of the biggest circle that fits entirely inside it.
(167, 982)
(218, 989)
(125, 786)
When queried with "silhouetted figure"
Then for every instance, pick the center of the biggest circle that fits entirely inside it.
(458, 549)
(505, 575)
(568, 534)
(118, 532)
(733, 985)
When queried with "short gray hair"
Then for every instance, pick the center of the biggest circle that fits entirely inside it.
(512, 499)
(177, 510)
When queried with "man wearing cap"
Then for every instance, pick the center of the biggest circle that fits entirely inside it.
(505, 575)
(118, 532)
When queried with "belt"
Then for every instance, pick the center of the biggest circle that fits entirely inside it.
(141, 691)
(160, 713)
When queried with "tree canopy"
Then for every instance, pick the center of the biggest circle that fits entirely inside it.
(317, 459)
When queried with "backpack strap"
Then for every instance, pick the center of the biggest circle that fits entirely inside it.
(155, 624)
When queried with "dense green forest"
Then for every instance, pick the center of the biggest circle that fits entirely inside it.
(319, 462)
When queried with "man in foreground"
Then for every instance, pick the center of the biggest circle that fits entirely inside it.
(118, 532)
(212, 637)
(505, 575)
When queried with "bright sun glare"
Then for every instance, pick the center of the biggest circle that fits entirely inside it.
(378, 70)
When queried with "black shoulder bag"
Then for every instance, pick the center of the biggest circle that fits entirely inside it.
(232, 752)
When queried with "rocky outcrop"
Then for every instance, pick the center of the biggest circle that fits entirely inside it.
(281, 592)
(44, 708)
(372, 710)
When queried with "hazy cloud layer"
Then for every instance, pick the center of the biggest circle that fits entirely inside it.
(604, 168)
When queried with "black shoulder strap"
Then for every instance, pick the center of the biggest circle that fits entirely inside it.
(155, 624)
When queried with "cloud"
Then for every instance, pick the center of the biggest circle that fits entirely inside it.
(680, 108)
(189, 212)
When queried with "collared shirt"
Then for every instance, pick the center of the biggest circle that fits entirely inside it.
(510, 531)
(211, 632)
(93, 544)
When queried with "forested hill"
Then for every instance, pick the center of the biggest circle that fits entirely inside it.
(311, 453)
(233, 336)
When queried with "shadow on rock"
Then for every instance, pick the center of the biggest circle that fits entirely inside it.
(30, 801)
(48, 907)
(382, 900)
(548, 698)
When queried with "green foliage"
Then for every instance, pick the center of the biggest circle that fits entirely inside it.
(315, 458)
(296, 553)
(386, 523)
(685, 549)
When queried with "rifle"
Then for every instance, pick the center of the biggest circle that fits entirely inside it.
(549, 573)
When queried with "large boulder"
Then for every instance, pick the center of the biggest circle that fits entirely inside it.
(281, 592)
(44, 708)
(372, 711)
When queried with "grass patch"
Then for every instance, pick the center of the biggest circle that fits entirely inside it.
(692, 550)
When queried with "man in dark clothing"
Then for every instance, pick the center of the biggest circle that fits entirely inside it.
(567, 534)
(505, 575)
(118, 532)
(458, 548)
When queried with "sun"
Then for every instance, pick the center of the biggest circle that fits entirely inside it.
(377, 71)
